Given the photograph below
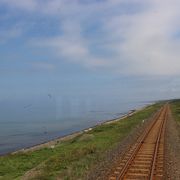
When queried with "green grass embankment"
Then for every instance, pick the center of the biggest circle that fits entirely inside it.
(175, 108)
(72, 159)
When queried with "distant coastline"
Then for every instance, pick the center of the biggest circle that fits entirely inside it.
(52, 143)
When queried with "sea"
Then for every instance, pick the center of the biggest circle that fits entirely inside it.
(25, 123)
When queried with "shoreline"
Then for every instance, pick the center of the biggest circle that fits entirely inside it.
(52, 143)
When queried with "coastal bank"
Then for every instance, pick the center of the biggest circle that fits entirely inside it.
(75, 155)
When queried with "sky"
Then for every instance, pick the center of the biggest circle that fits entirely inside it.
(90, 49)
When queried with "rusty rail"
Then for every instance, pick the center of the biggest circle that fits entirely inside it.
(125, 170)
(156, 148)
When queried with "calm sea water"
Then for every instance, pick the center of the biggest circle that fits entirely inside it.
(24, 123)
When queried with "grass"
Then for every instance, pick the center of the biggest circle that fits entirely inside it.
(175, 107)
(72, 158)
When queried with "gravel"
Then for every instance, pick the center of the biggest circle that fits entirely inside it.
(114, 156)
(172, 150)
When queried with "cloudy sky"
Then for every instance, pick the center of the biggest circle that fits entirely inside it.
(101, 49)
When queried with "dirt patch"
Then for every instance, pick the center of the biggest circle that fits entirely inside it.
(31, 175)
(172, 153)
(86, 137)
(114, 156)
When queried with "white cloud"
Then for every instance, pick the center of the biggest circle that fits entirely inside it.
(149, 47)
(140, 42)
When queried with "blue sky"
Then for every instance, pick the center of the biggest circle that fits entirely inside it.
(96, 49)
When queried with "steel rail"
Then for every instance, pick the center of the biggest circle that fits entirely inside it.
(153, 166)
(133, 155)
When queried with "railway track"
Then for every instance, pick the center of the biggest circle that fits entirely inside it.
(145, 159)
